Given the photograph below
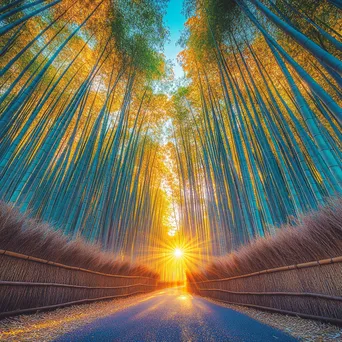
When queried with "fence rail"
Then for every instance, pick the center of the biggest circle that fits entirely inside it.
(24, 283)
(298, 294)
(278, 269)
(56, 264)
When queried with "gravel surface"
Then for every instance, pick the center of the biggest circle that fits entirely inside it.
(47, 326)
(303, 329)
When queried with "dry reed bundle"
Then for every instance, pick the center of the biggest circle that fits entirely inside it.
(21, 234)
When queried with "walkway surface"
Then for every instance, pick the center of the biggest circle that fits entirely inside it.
(175, 316)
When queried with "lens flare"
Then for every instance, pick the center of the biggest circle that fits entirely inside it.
(173, 256)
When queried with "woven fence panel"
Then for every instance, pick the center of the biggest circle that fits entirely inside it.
(314, 291)
(27, 284)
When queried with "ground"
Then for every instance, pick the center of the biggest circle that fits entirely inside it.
(166, 315)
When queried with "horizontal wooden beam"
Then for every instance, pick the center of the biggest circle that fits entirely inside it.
(24, 283)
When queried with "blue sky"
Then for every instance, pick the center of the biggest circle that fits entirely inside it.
(175, 20)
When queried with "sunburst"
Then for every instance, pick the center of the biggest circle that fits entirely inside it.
(174, 255)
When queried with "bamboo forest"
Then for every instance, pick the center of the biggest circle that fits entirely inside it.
(179, 146)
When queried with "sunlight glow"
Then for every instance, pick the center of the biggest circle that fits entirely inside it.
(173, 256)
(178, 253)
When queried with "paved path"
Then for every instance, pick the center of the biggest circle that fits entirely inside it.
(172, 315)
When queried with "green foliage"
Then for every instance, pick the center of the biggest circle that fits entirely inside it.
(139, 32)
(180, 106)
(219, 19)
(223, 16)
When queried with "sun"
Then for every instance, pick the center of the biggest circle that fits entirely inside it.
(174, 255)
(178, 253)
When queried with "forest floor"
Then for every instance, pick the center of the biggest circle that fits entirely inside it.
(49, 326)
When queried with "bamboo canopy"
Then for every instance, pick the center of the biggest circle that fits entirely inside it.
(249, 141)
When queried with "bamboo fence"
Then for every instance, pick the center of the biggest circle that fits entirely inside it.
(29, 284)
(309, 290)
